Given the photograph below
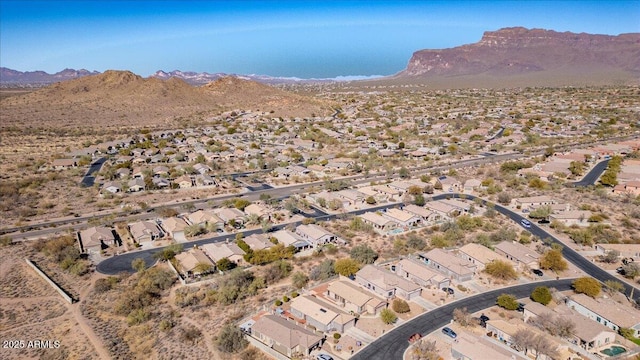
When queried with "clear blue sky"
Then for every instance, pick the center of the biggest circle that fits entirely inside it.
(279, 38)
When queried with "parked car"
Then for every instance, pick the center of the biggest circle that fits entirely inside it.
(521, 307)
(324, 357)
(415, 337)
(448, 290)
(526, 223)
(543, 221)
(450, 333)
(537, 272)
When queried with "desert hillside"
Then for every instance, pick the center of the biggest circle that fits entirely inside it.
(121, 99)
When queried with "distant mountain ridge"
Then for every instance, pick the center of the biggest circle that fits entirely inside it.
(9, 76)
(520, 52)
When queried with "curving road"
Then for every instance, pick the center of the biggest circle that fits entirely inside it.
(393, 344)
(593, 175)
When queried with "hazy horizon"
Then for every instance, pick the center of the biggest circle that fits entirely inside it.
(283, 39)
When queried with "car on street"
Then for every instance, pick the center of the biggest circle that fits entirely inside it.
(526, 223)
(537, 272)
(449, 332)
(324, 357)
(415, 337)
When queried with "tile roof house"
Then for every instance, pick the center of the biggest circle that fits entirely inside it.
(480, 255)
(322, 316)
(386, 284)
(194, 262)
(572, 217)
(228, 214)
(519, 254)
(285, 336)
(446, 263)
(421, 274)
(403, 218)
(205, 218)
(315, 235)
(607, 312)
(287, 238)
(219, 251)
(379, 222)
(174, 226)
(426, 216)
(482, 348)
(533, 201)
(354, 298)
(145, 231)
(95, 239)
(258, 242)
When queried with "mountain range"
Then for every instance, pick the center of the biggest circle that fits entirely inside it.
(507, 57)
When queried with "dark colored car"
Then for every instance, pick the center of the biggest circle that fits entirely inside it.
(448, 290)
(520, 307)
(543, 221)
(537, 272)
(450, 333)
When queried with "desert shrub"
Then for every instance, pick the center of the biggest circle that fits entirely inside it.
(278, 302)
(363, 254)
(507, 301)
(346, 266)
(323, 271)
(231, 339)
(400, 306)
(299, 280)
(388, 317)
(138, 316)
(541, 295)
(190, 334)
(587, 285)
(501, 270)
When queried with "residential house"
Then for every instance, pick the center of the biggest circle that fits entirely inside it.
(625, 250)
(468, 348)
(287, 238)
(205, 180)
(258, 210)
(174, 226)
(95, 239)
(353, 298)
(521, 255)
(588, 335)
(322, 316)
(230, 215)
(403, 218)
(315, 235)
(135, 185)
(449, 184)
(258, 242)
(426, 216)
(380, 223)
(61, 164)
(386, 284)
(533, 202)
(446, 263)
(194, 262)
(205, 218)
(442, 210)
(111, 187)
(472, 185)
(184, 181)
(353, 197)
(480, 255)
(387, 192)
(420, 274)
(161, 183)
(627, 188)
(607, 312)
(219, 251)
(572, 217)
(285, 336)
(145, 231)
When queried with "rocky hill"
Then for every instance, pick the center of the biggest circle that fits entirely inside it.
(117, 99)
(536, 57)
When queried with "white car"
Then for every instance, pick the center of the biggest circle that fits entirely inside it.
(526, 223)
(324, 357)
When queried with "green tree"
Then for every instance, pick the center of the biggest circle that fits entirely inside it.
(404, 173)
(370, 200)
(299, 279)
(552, 259)
(231, 339)
(501, 270)
(388, 317)
(419, 200)
(541, 295)
(576, 168)
(224, 264)
(363, 254)
(346, 266)
(612, 286)
(507, 301)
(587, 285)
(541, 212)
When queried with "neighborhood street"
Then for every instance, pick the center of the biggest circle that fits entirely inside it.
(394, 343)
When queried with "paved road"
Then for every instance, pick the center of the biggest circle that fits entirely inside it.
(122, 263)
(569, 254)
(89, 179)
(593, 175)
(393, 344)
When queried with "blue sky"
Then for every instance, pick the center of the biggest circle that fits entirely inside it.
(279, 38)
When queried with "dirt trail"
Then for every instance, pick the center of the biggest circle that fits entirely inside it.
(94, 339)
